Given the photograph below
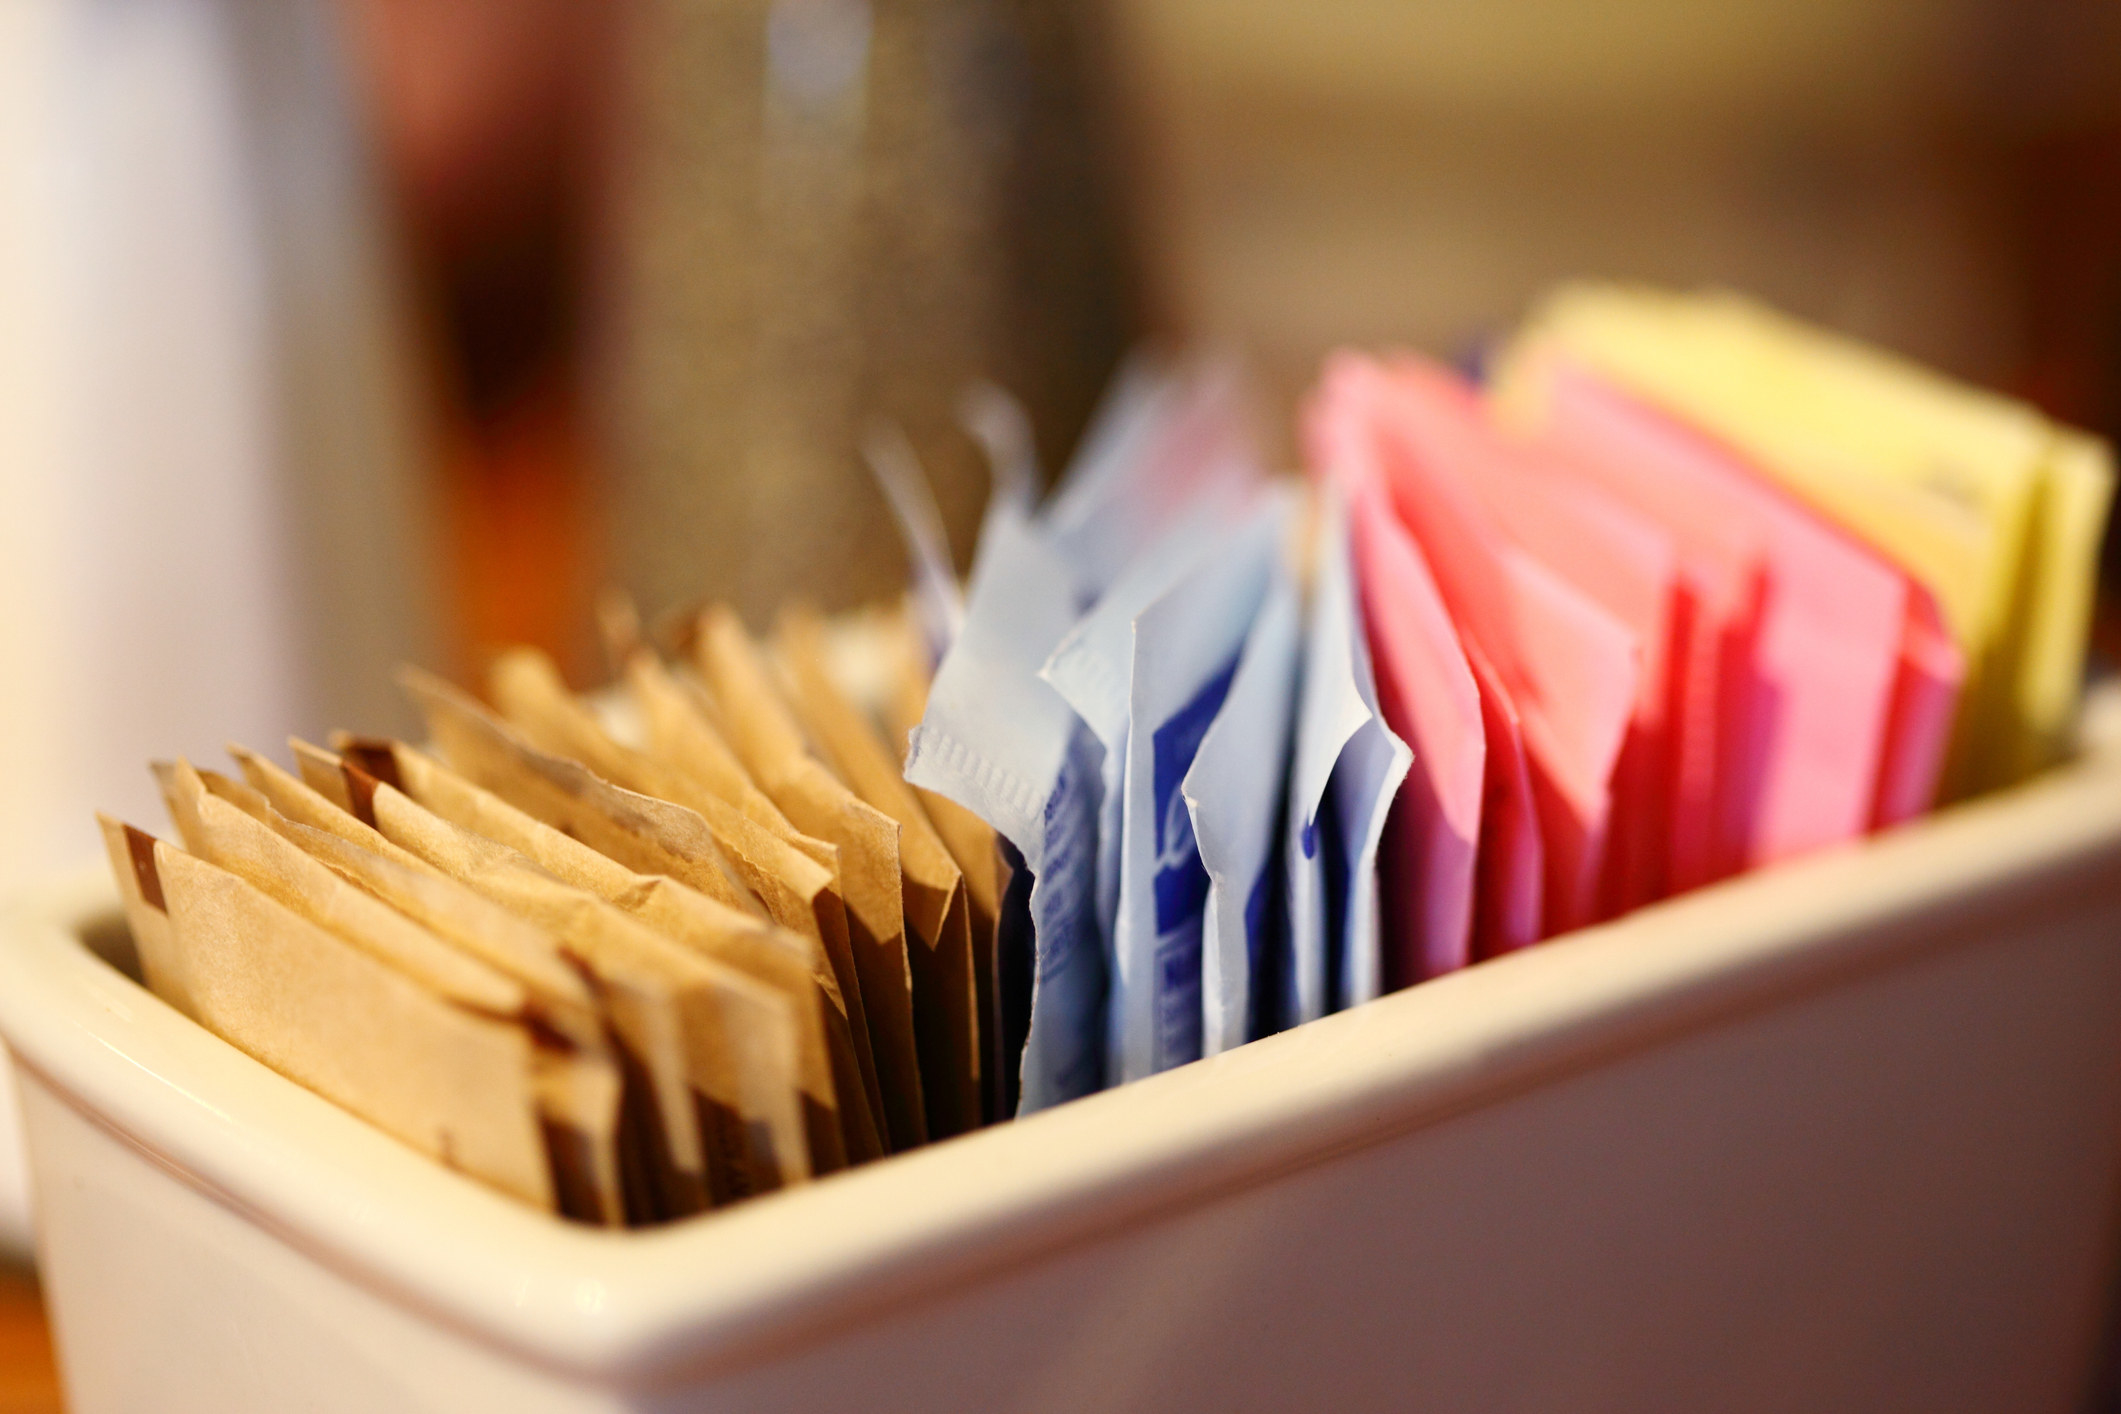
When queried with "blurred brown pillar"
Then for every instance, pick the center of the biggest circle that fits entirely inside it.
(490, 118)
(827, 210)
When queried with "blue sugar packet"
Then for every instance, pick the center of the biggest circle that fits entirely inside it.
(1148, 669)
(1235, 792)
(1347, 767)
(999, 741)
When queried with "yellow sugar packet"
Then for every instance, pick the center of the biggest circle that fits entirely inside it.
(2070, 522)
(229, 825)
(938, 909)
(451, 1082)
(795, 888)
(1642, 342)
(2045, 491)
(787, 962)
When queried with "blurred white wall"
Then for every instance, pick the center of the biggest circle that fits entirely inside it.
(138, 418)
(206, 493)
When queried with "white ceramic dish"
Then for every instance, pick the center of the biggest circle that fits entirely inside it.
(1845, 1135)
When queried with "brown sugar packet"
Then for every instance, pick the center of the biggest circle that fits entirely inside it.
(682, 722)
(790, 964)
(740, 692)
(786, 961)
(318, 799)
(580, 1079)
(700, 752)
(451, 1082)
(646, 835)
(740, 1035)
(799, 887)
(449, 910)
(668, 1133)
(580, 1102)
(132, 853)
(579, 1083)
(938, 912)
(737, 1038)
(578, 1110)
(650, 835)
(973, 843)
(679, 736)
(681, 729)
(223, 835)
(795, 888)
(229, 825)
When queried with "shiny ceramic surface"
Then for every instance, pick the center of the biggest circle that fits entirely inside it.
(1846, 1134)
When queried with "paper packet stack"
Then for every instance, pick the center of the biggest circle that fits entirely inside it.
(1687, 589)
(626, 959)
(1198, 754)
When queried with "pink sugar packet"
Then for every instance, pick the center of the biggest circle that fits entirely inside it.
(1512, 870)
(1568, 667)
(1629, 565)
(1723, 575)
(1838, 719)
(1426, 861)
(1925, 703)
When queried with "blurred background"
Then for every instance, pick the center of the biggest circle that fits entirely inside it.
(668, 257)
(664, 259)
(337, 332)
